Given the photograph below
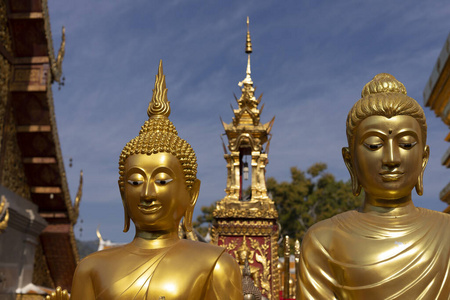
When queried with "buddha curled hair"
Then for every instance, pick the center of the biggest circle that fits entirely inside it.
(158, 134)
(384, 96)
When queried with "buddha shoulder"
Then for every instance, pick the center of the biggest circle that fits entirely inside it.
(223, 261)
(434, 214)
(198, 259)
(99, 258)
(197, 250)
(323, 232)
(436, 218)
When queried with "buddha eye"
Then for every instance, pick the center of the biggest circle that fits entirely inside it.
(135, 179)
(373, 143)
(163, 181)
(407, 146)
(407, 142)
(135, 182)
(373, 147)
(162, 178)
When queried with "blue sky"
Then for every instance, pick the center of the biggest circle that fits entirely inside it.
(310, 60)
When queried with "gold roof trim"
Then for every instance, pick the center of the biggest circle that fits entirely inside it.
(55, 63)
(56, 71)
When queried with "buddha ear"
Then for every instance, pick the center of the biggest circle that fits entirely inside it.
(195, 190)
(187, 219)
(419, 184)
(126, 226)
(356, 187)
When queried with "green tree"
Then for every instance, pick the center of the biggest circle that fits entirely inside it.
(309, 198)
(205, 219)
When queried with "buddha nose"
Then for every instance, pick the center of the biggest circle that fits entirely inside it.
(391, 155)
(149, 191)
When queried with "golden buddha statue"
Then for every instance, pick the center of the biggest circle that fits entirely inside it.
(388, 249)
(158, 186)
(246, 255)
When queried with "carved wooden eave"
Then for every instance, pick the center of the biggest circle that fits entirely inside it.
(55, 62)
(436, 95)
(34, 69)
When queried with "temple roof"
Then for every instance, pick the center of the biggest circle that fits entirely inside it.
(34, 68)
(436, 95)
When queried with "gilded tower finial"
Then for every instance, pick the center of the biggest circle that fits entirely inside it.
(159, 106)
(248, 46)
(248, 50)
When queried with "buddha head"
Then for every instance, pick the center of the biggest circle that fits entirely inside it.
(386, 133)
(158, 170)
(244, 253)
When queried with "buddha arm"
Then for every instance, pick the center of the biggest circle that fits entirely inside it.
(82, 287)
(226, 280)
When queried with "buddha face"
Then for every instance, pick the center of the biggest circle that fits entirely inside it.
(388, 156)
(242, 255)
(155, 191)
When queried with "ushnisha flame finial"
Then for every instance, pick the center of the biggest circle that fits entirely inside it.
(159, 106)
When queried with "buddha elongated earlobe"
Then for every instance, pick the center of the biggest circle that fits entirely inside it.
(126, 225)
(187, 219)
(356, 187)
(419, 184)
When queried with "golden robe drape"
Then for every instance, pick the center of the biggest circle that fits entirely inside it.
(373, 256)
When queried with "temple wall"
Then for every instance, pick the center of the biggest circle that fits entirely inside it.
(18, 244)
(13, 175)
(5, 67)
